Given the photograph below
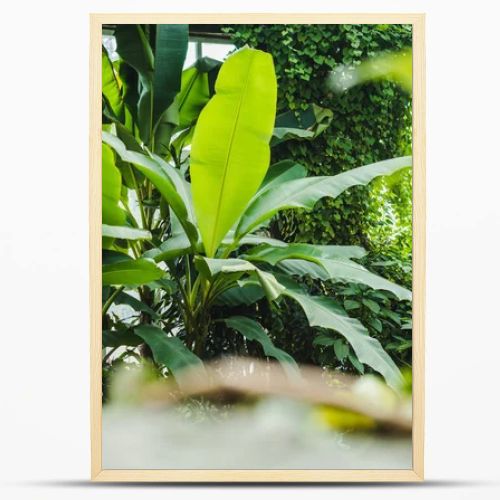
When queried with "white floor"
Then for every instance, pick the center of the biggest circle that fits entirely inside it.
(272, 435)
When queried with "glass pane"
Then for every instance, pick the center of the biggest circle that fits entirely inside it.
(191, 54)
(217, 50)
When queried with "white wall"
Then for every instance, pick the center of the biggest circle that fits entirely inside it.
(44, 431)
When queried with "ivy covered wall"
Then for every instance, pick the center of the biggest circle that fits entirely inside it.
(370, 123)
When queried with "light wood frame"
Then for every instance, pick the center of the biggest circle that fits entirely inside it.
(414, 474)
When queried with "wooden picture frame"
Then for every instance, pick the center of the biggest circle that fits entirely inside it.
(414, 474)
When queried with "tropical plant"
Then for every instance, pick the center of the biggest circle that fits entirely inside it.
(200, 247)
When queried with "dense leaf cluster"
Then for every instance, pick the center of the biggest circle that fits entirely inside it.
(370, 122)
(188, 194)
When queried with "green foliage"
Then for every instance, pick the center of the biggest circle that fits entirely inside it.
(190, 261)
(370, 122)
(231, 143)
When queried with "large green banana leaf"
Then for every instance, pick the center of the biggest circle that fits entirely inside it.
(170, 52)
(343, 270)
(325, 262)
(252, 330)
(326, 313)
(230, 149)
(304, 193)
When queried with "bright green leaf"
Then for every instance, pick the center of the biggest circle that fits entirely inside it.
(304, 193)
(230, 149)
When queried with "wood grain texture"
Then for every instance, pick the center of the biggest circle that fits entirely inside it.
(264, 476)
(95, 241)
(419, 247)
(419, 251)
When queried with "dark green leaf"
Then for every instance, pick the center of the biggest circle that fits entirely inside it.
(130, 272)
(168, 351)
(252, 330)
(171, 48)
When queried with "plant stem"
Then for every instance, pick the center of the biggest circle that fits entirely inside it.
(109, 354)
(110, 300)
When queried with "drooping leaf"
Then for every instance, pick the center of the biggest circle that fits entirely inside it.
(166, 180)
(273, 255)
(171, 248)
(212, 267)
(342, 270)
(304, 193)
(134, 49)
(272, 288)
(168, 351)
(326, 313)
(304, 124)
(182, 187)
(131, 272)
(230, 148)
(252, 330)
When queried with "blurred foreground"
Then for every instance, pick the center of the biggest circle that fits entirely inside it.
(242, 414)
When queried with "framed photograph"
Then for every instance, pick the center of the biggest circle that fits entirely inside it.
(257, 247)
